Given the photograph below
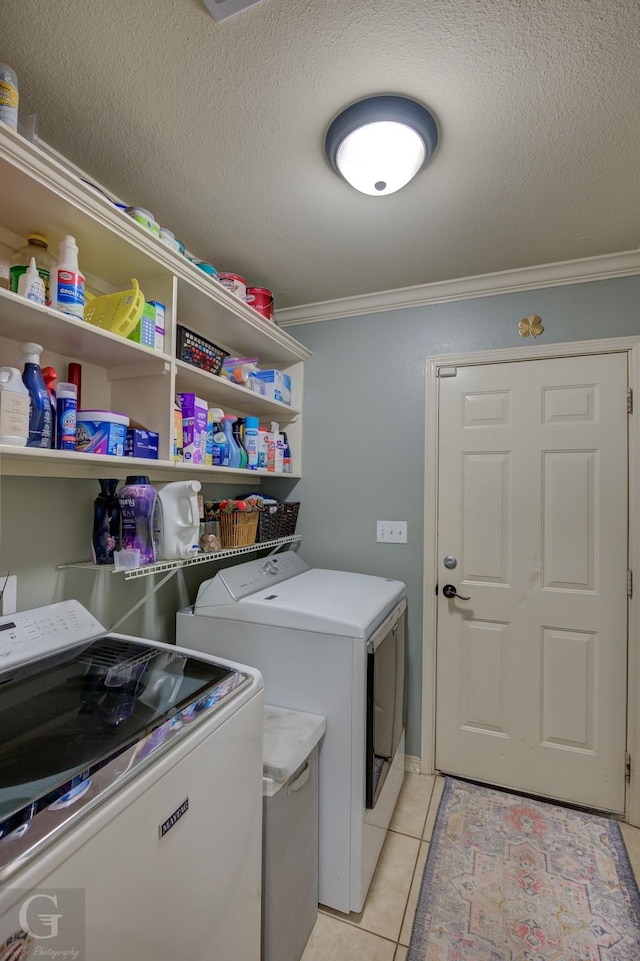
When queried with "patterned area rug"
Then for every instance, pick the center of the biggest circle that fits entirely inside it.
(511, 879)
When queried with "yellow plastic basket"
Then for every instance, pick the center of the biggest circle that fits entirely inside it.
(119, 312)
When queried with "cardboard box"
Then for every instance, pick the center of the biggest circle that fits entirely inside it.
(159, 309)
(194, 427)
(145, 330)
(141, 443)
(275, 385)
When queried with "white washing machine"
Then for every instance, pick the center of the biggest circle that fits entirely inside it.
(331, 643)
(130, 795)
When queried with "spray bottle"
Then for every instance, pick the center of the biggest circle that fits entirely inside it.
(40, 419)
(49, 376)
(216, 438)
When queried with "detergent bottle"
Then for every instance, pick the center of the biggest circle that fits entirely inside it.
(137, 503)
(235, 456)
(176, 520)
(14, 408)
(40, 418)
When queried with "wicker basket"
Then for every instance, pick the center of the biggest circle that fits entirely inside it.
(277, 520)
(238, 528)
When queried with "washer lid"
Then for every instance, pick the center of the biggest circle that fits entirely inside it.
(329, 602)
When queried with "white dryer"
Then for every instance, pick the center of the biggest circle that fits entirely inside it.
(332, 643)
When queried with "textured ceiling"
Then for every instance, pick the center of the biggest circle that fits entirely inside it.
(218, 129)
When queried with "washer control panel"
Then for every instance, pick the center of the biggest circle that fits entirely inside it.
(31, 635)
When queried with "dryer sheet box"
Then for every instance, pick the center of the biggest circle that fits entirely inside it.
(194, 427)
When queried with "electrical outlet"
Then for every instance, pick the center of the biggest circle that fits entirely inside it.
(391, 532)
(9, 592)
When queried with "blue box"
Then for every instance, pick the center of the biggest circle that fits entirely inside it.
(141, 443)
(275, 385)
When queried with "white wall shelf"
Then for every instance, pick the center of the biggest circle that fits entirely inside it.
(39, 192)
(161, 567)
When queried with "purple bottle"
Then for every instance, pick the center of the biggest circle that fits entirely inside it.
(137, 501)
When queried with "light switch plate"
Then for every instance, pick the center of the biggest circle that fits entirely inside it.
(391, 532)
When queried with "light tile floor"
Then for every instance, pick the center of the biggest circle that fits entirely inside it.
(382, 930)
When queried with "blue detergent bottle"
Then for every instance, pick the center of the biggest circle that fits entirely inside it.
(235, 457)
(40, 419)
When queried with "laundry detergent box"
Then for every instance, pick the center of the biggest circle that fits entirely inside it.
(101, 432)
(141, 442)
(145, 330)
(156, 310)
(194, 427)
(275, 385)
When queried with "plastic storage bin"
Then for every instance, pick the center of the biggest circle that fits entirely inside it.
(290, 831)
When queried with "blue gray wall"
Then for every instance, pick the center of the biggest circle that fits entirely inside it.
(363, 459)
(364, 422)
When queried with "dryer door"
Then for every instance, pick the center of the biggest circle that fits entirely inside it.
(385, 701)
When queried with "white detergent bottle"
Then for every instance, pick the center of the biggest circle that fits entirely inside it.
(278, 441)
(31, 284)
(67, 283)
(176, 521)
(14, 408)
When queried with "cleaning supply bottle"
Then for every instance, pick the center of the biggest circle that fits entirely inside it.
(66, 408)
(275, 457)
(105, 538)
(37, 246)
(286, 466)
(31, 284)
(176, 520)
(263, 447)
(74, 376)
(49, 376)
(137, 503)
(219, 446)
(251, 425)
(8, 96)
(67, 287)
(40, 420)
(237, 433)
(14, 408)
(234, 451)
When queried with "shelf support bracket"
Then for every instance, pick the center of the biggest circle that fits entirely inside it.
(143, 599)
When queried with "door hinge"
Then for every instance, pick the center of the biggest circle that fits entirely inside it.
(629, 583)
(447, 371)
(627, 766)
(629, 400)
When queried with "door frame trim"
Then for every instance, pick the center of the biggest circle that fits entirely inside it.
(628, 345)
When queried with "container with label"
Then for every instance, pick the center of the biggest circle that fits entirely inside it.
(8, 96)
(37, 246)
(67, 288)
(14, 408)
(66, 408)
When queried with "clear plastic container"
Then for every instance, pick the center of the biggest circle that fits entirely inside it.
(37, 246)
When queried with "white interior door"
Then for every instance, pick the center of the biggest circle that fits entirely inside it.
(532, 504)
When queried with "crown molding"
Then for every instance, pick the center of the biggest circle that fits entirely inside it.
(582, 271)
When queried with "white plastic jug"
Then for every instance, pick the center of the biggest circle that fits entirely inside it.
(14, 408)
(176, 524)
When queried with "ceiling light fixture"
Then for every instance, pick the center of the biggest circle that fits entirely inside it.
(379, 144)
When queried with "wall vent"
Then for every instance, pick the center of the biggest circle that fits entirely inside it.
(221, 9)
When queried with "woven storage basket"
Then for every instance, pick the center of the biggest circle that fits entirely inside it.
(277, 520)
(238, 528)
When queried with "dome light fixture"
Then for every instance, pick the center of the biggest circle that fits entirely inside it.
(379, 144)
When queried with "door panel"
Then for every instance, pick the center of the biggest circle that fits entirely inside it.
(532, 500)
